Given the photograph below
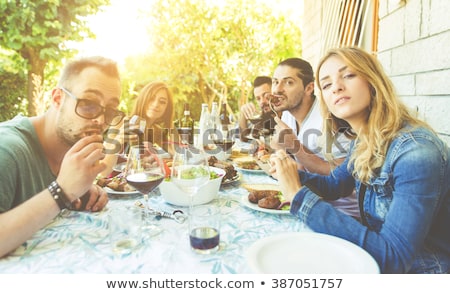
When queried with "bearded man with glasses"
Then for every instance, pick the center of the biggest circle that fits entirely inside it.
(49, 162)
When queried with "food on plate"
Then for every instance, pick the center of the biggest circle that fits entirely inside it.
(249, 165)
(255, 196)
(248, 162)
(261, 187)
(230, 171)
(267, 196)
(262, 152)
(117, 183)
(270, 202)
(264, 158)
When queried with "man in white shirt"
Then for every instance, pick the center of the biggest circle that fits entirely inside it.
(299, 131)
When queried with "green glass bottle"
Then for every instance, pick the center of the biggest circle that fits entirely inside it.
(186, 126)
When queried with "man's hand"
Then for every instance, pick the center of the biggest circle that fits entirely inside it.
(284, 138)
(248, 110)
(80, 166)
(93, 200)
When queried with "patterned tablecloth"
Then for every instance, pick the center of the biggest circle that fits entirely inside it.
(77, 242)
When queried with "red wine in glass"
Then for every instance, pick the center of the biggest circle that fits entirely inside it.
(205, 238)
(145, 182)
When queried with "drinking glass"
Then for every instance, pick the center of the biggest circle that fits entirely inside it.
(190, 170)
(204, 228)
(255, 120)
(145, 171)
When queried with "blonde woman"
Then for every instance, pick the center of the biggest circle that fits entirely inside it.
(399, 167)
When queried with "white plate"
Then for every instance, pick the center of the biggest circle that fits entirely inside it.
(254, 206)
(114, 192)
(255, 171)
(309, 253)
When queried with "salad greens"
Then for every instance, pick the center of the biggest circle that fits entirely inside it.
(192, 172)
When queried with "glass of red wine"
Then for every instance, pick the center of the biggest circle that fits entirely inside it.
(145, 171)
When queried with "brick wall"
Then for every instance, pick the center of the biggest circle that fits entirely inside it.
(413, 42)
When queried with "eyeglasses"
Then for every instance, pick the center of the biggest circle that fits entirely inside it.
(89, 109)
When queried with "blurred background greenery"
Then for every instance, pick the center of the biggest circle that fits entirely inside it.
(205, 50)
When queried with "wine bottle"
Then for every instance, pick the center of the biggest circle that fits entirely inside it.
(186, 126)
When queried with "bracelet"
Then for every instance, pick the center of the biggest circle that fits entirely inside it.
(58, 195)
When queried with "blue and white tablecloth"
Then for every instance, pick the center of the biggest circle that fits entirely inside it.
(77, 242)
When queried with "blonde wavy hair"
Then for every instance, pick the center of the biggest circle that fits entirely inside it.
(387, 114)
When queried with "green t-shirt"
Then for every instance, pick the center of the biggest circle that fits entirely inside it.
(24, 170)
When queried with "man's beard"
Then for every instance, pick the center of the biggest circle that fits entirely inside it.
(298, 102)
(67, 137)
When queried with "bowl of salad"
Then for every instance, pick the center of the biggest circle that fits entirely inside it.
(173, 195)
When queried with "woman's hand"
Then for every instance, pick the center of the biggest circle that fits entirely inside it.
(284, 168)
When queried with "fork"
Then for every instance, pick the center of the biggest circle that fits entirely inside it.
(271, 97)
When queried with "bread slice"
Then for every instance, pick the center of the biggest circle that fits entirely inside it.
(261, 187)
(244, 159)
(248, 162)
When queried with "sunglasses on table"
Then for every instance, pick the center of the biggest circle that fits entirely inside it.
(89, 109)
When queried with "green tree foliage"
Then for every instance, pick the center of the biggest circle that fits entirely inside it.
(212, 50)
(37, 31)
(12, 87)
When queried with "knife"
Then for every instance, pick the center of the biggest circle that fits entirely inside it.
(264, 166)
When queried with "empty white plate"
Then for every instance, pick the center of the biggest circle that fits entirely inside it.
(309, 253)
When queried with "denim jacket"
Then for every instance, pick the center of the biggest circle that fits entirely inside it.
(407, 205)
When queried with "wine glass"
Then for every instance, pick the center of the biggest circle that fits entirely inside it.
(145, 171)
(258, 125)
(190, 170)
(254, 131)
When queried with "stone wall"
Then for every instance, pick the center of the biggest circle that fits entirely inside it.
(413, 42)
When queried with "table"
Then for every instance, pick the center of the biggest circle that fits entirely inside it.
(77, 242)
